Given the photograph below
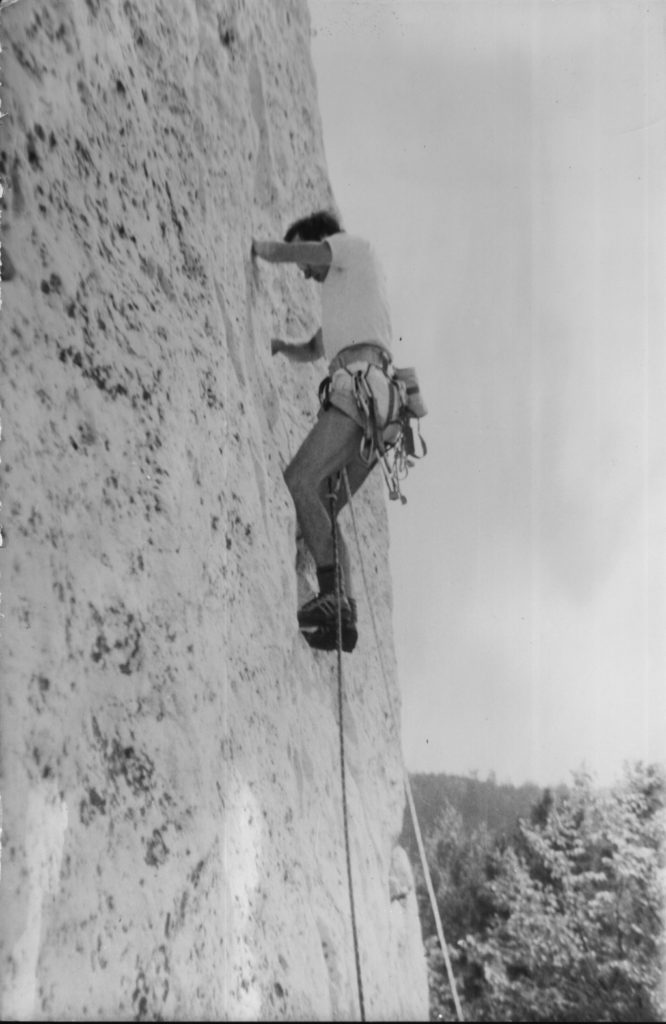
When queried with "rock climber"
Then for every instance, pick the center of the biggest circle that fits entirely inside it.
(355, 338)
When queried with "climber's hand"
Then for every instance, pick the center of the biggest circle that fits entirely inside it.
(265, 250)
(277, 345)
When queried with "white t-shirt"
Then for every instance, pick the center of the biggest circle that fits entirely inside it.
(354, 301)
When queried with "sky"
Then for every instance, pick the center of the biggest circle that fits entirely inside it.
(507, 158)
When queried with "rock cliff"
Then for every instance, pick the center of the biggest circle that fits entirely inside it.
(173, 841)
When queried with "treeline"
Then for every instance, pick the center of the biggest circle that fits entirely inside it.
(552, 902)
(479, 802)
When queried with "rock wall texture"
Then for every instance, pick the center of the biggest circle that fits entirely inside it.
(173, 836)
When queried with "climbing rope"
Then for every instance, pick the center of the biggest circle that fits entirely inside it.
(433, 900)
(408, 788)
(332, 494)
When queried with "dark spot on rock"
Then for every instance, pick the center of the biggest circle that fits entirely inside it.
(97, 801)
(196, 873)
(156, 850)
(83, 156)
(101, 647)
(279, 991)
(55, 282)
(43, 683)
(45, 287)
(226, 34)
(120, 87)
(135, 768)
(39, 132)
(33, 156)
(183, 903)
(90, 807)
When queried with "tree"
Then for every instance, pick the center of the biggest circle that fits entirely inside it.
(565, 920)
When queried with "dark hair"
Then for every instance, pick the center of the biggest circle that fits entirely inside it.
(315, 227)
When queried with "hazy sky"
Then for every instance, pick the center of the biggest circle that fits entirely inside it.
(508, 160)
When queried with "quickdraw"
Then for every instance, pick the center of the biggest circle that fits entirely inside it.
(396, 461)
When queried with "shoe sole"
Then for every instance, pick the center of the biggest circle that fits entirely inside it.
(325, 638)
(318, 619)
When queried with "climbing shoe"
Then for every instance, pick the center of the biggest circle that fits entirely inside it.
(322, 610)
(318, 620)
(325, 638)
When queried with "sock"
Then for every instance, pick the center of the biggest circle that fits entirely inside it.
(326, 579)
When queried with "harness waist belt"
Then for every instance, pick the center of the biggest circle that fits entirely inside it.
(364, 352)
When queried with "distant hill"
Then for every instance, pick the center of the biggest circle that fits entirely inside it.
(498, 806)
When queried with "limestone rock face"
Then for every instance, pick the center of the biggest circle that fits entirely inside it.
(173, 841)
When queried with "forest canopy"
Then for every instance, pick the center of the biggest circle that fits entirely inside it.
(552, 902)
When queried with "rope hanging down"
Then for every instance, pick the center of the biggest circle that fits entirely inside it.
(338, 594)
(433, 900)
(408, 788)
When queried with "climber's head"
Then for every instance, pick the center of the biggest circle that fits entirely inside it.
(314, 228)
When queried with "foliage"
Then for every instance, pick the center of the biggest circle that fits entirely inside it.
(561, 920)
(478, 801)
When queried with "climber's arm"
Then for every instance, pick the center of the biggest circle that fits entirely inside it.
(313, 254)
(300, 353)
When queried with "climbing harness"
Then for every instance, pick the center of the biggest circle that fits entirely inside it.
(338, 593)
(408, 790)
(387, 400)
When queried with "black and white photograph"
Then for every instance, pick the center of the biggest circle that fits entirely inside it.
(333, 510)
